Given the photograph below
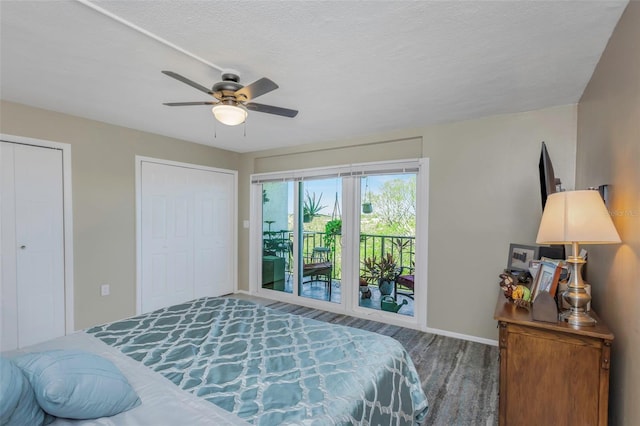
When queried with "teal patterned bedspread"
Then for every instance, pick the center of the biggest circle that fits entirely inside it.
(274, 368)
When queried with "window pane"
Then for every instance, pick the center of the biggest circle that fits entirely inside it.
(321, 251)
(387, 242)
(277, 197)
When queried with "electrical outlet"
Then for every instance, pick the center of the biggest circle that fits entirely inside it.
(105, 290)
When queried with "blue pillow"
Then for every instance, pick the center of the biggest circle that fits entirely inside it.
(18, 405)
(77, 385)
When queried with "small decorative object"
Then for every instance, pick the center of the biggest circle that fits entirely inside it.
(518, 294)
(520, 256)
(365, 291)
(388, 303)
(507, 284)
(524, 277)
(544, 309)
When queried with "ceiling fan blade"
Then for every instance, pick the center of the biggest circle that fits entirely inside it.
(270, 109)
(187, 81)
(255, 89)
(189, 103)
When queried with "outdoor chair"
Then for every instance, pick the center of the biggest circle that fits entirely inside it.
(318, 265)
(406, 280)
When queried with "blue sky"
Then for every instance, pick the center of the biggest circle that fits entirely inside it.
(329, 187)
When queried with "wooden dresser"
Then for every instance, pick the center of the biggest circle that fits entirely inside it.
(551, 373)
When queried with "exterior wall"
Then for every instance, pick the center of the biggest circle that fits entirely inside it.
(484, 194)
(103, 181)
(608, 152)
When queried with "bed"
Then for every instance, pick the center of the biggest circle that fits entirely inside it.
(260, 366)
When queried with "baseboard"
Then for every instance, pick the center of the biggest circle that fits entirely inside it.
(242, 292)
(476, 339)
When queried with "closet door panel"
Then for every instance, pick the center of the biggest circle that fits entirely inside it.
(187, 237)
(8, 288)
(33, 252)
(39, 234)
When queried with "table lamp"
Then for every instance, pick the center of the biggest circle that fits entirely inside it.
(576, 217)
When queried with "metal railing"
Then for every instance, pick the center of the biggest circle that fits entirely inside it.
(280, 243)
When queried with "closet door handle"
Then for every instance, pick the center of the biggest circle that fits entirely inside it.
(22, 247)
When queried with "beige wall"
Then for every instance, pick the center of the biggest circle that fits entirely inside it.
(608, 152)
(103, 174)
(484, 194)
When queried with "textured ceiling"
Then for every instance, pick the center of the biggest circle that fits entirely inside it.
(351, 68)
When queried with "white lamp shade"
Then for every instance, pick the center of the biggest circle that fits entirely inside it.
(231, 115)
(576, 216)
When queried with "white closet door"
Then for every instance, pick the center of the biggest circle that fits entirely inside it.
(33, 245)
(186, 237)
(213, 233)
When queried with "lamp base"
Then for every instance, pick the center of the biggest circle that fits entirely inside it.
(579, 318)
(576, 295)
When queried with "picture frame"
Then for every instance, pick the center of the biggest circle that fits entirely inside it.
(546, 279)
(520, 256)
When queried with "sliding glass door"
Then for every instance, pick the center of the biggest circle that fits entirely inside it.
(277, 236)
(387, 242)
(320, 240)
(342, 236)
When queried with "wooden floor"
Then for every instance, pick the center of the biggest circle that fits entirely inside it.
(460, 378)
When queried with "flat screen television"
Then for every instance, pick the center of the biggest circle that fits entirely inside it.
(548, 185)
(548, 180)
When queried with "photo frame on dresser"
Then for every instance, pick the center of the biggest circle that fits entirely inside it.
(546, 280)
(520, 256)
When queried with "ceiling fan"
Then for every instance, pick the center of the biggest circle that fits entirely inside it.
(232, 98)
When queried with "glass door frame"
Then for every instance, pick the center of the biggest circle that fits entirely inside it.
(349, 303)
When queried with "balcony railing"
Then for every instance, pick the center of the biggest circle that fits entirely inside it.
(280, 243)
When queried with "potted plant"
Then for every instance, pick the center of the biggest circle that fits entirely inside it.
(367, 207)
(382, 271)
(331, 230)
(311, 207)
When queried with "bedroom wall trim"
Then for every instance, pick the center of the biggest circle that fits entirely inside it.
(138, 184)
(467, 337)
(67, 219)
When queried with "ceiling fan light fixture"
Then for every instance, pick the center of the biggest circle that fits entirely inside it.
(231, 115)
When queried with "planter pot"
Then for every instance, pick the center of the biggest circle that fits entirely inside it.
(367, 208)
(385, 287)
(307, 218)
(365, 292)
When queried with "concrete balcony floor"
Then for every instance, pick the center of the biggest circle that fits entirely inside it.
(318, 290)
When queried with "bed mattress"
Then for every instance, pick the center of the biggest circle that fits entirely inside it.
(272, 368)
(162, 402)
